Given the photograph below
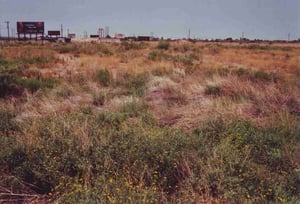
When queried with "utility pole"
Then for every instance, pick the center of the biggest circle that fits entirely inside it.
(7, 26)
(85, 34)
(12, 32)
(189, 36)
(61, 31)
(106, 31)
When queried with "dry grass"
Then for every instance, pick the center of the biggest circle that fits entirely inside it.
(183, 87)
(171, 87)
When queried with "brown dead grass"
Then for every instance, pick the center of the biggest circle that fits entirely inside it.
(175, 94)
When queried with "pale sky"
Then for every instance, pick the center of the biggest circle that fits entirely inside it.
(263, 19)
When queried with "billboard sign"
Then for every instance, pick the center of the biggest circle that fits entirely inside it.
(54, 32)
(30, 27)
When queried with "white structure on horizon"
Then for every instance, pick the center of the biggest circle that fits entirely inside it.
(119, 36)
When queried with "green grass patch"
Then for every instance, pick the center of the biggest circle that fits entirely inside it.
(134, 84)
(84, 48)
(103, 77)
(85, 156)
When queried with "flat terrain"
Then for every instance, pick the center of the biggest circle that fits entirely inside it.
(157, 122)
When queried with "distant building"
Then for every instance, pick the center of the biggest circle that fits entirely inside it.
(143, 38)
(94, 36)
(71, 35)
(244, 39)
(130, 38)
(54, 33)
(119, 36)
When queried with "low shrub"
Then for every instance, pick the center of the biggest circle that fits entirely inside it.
(98, 99)
(64, 92)
(241, 72)
(8, 85)
(9, 72)
(36, 60)
(213, 90)
(134, 84)
(65, 48)
(132, 45)
(214, 49)
(163, 45)
(84, 48)
(13, 82)
(249, 162)
(87, 156)
(31, 84)
(261, 75)
(7, 124)
(187, 60)
(223, 71)
(209, 73)
(160, 71)
(157, 55)
(174, 96)
(3, 62)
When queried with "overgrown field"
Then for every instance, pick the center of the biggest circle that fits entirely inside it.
(160, 122)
